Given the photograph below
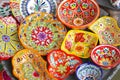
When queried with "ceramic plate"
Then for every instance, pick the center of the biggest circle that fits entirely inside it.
(43, 35)
(9, 42)
(23, 8)
(78, 13)
(29, 65)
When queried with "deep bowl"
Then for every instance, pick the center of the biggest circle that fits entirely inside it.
(88, 71)
(78, 14)
(106, 56)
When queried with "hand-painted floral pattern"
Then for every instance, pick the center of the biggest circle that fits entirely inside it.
(4, 8)
(106, 56)
(78, 13)
(107, 30)
(62, 64)
(27, 7)
(79, 43)
(43, 35)
(29, 65)
(89, 71)
(9, 42)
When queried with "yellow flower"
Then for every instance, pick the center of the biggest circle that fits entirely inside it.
(105, 62)
(62, 69)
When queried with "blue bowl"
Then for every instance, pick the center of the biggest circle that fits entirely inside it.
(89, 71)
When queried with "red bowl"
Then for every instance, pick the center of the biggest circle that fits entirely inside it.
(78, 14)
(106, 56)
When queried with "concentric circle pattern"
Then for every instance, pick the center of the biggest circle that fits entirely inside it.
(9, 42)
(23, 8)
(42, 35)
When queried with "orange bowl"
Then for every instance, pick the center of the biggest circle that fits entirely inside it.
(78, 14)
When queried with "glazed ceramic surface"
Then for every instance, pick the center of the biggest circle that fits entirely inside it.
(42, 35)
(9, 42)
(106, 56)
(78, 14)
(23, 8)
(61, 65)
(4, 8)
(107, 30)
(89, 71)
(79, 43)
(28, 65)
(115, 3)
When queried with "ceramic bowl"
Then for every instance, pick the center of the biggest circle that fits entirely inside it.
(106, 56)
(88, 71)
(78, 14)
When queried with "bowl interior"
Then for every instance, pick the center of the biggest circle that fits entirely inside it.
(78, 12)
(106, 55)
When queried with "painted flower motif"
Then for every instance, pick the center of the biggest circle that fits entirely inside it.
(106, 50)
(68, 45)
(105, 61)
(84, 5)
(62, 69)
(9, 42)
(79, 37)
(73, 5)
(42, 36)
(78, 21)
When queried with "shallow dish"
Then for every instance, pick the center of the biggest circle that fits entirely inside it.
(106, 56)
(29, 65)
(89, 71)
(78, 14)
(79, 43)
(61, 65)
(42, 35)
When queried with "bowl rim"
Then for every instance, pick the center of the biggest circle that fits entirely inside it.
(106, 67)
(81, 26)
(90, 63)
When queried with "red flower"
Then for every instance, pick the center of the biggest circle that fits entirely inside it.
(79, 37)
(68, 45)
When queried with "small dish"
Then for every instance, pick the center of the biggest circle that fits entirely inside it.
(23, 8)
(88, 71)
(42, 35)
(79, 43)
(61, 65)
(107, 30)
(9, 42)
(106, 56)
(78, 14)
(29, 65)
